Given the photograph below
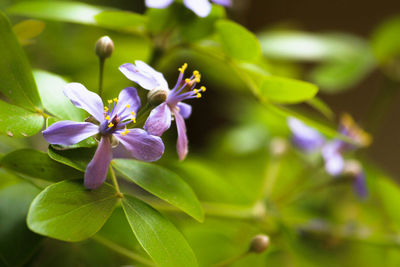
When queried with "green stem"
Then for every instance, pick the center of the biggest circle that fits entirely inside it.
(232, 260)
(123, 251)
(115, 182)
(101, 71)
(271, 174)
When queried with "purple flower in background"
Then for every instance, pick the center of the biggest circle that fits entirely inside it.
(310, 140)
(113, 121)
(200, 7)
(160, 117)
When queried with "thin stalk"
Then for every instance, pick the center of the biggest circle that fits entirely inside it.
(115, 182)
(123, 251)
(101, 71)
(232, 260)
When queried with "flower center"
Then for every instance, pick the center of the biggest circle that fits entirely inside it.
(117, 118)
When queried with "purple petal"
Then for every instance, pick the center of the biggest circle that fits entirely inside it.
(158, 3)
(69, 132)
(304, 136)
(96, 170)
(127, 96)
(159, 120)
(360, 186)
(142, 145)
(182, 143)
(85, 99)
(334, 162)
(222, 2)
(200, 7)
(184, 109)
(144, 75)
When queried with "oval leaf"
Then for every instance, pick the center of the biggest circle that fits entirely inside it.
(18, 122)
(161, 183)
(286, 90)
(16, 80)
(38, 164)
(27, 30)
(157, 235)
(77, 158)
(237, 41)
(69, 212)
(51, 92)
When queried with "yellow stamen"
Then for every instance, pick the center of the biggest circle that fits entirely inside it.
(183, 68)
(105, 109)
(108, 118)
(195, 91)
(123, 133)
(134, 120)
(187, 80)
(110, 125)
(127, 131)
(133, 113)
(128, 106)
(195, 73)
(109, 101)
(198, 95)
(203, 88)
(115, 100)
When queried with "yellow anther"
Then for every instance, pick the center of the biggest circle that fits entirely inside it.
(187, 80)
(134, 120)
(128, 106)
(115, 100)
(127, 131)
(108, 118)
(198, 95)
(203, 88)
(133, 113)
(123, 133)
(195, 91)
(105, 109)
(110, 125)
(183, 68)
(195, 73)
(109, 101)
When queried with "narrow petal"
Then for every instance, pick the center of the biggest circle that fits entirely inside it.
(158, 3)
(334, 162)
(159, 120)
(142, 145)
(304, 136)
(182, 143)
(360, 186)
(158, 76)
(127, 97)
(96, 171)
(200, 7)
(184, 109)
(85, 99)
(222, 2)
(69, 132)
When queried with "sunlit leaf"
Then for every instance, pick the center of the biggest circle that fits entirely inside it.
(70, 212)
(37, 164)
(16, 80)
(50, 88)
(157, 235)
(18, 122)
(162, 183)
(386, 40)
(237, 41)
(27, 30)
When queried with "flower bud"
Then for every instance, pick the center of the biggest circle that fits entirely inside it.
(156, 96)
(259, 244)
(104, 47)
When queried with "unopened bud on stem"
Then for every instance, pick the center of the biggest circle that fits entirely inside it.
(259, 244)
(104, 47)
(156, 96)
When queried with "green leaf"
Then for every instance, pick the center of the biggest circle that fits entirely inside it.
(286, 90)
(157, 235)
(27, 30)
(77, 158)
(161, 183)
(17, 243)
(386, 40)
(81, 13)
(16, 80)
(38, 164)
(54, 101)
(237, 41)
(70, 212)
(18, 122)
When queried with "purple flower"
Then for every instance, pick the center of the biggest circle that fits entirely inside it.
(309, 139)
(160, 117)
(113, 120)
(200, 7)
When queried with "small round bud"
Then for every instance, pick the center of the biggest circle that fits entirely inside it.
(278, 146)
(104, 47)
(156, 96)
(259, 244)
